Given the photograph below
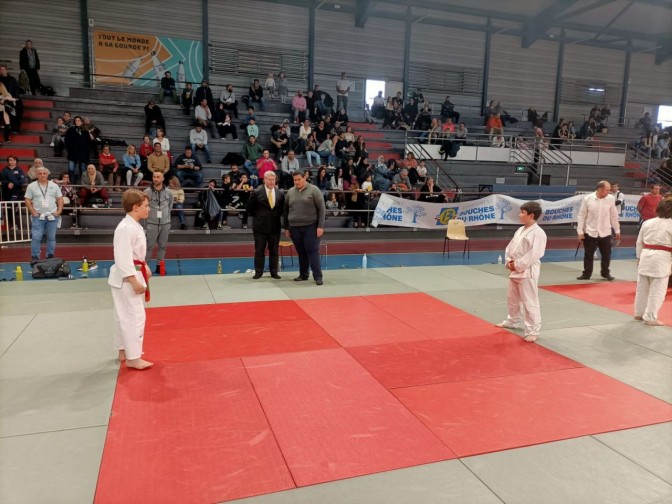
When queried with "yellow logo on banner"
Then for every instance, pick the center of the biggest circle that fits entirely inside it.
(445, 215)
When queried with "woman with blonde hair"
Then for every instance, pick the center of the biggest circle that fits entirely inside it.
(8, 104)
(32, 171)
(132, 166)
(178, 200)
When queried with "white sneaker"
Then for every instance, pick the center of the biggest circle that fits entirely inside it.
(51, 144)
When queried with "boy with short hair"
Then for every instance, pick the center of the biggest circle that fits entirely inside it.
(523, 254)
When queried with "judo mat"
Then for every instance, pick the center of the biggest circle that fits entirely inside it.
(254, 398)
(619, 296)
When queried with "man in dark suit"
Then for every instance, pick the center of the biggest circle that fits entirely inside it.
(266, 205)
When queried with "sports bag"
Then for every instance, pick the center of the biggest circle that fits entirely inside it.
(51, 268)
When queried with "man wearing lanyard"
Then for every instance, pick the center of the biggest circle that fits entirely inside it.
(158, 222)
(45, 204)
(597, 217)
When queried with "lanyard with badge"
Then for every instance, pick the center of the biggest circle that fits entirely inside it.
(44, 194)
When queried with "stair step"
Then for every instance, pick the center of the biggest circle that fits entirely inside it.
(26, 139)
(378, 145)
(33, 126)
(18, 152)
(37, 114)
(32, 103)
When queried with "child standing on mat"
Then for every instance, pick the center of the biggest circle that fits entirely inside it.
(654, 251)
(523, 254)
(129, 279)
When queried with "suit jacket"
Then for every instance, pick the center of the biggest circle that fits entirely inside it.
(266, 219)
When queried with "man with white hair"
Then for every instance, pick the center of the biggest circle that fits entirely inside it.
(45, 204)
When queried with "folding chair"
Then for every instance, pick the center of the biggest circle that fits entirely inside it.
(456, 231)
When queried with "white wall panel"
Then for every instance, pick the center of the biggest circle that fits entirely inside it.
(520, 77)
(650, 84)
(55, 32)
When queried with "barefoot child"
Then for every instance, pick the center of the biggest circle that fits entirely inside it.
(654, 247)
(523, 256)
(129, 284)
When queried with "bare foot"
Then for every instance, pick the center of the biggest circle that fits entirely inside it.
(638, 318)
(653, 322)
(138, 364)
(531, 339)
(122, 355)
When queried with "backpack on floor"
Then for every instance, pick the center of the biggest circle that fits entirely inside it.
(51, 268)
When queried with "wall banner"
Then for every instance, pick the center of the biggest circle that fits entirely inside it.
(130, 58)
(493, 209)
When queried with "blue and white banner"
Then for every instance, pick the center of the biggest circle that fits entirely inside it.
(493, 209)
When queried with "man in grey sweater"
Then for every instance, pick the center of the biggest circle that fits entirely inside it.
(304, 224)
(158, 222)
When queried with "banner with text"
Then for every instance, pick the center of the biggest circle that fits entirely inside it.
(131, 59)
(493, 209)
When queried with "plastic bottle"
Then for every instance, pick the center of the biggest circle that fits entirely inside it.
(85, 266)
(19, 274)
(181, 76)
(499, 259)
(159, 69)
(162, 268)
(132, 68)
(364, 261)
(219, 267)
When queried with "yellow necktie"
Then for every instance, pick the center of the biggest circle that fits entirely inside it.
(271, 198)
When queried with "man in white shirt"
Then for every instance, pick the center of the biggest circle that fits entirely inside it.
(198, 139)
(597, 217)
(44, 201)
(342, 90)
(203, 117)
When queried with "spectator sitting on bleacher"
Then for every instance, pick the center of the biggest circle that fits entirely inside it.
(243, 190)
(153, 117)
(158, 161)
(321, 132)
(204, 93)
(228, 98)
(644, 146)
(322, 181)
(165, 143)
(132, 166)
(178, 200)
(571, 130)
(498, 139)
(533, 117)
(434, 135)
(198, 139)
(410, 112)
(168, 88)
(448, 127)
(448, 111)
(288, 165)
(339, 181)
(146, 148)
(251, 152)
(189, 169)
(418, 175)
(93, 186)
(11, 94)
(109, 167)
(70, 198)
(252, 129)
(341, 117)
(586, 132)
(382, 178)
(327, 150)
(403, 183)
(662, 147)
(305, 131)
(57, 139)
(224, 124)
(431, 192)
(255, 94)
(211, 213)
(311, 151)
(235, 174)
(265, 164)
(203, 117)
(299, 106)
(279, 143)
(556, 136)
(645, 122)
(187, 99)
(461, 133)
(13, 180)
(504, 115)
(360, 149)
(31, 175)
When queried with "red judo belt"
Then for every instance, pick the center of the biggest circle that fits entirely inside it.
(658, 247)
(143, 270)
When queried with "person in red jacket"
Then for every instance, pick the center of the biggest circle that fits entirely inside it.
(648, 203)
(109, 167)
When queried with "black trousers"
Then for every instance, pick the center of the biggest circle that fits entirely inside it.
(590, 245)
(34, 79)
(261, 242)
(307, 246)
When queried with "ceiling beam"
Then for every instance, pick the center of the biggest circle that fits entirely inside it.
(458, 9)
(600, 31)
(583, 10)
(664, 52)
(652, 37)
(656, 3)
(537, 27)
(363, 10)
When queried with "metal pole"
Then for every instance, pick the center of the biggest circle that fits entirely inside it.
(206, 37)
(86, 53)
(311, 45)
(558, 77)
(407, 53)
(486, 66)
(626, 85)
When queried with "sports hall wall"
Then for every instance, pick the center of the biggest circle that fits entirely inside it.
(255, 37)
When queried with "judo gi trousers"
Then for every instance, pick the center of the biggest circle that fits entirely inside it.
(650, 296)
(129, 320)
(524, 292)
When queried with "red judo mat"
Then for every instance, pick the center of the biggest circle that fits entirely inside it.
(192, 432)
(619, 296)
(333, 420)
(252, 398)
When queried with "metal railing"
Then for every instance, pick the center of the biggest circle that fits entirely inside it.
(15, 227)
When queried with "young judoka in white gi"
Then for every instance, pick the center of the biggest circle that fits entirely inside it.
(130, 284)
(654, 251)
(523, 256)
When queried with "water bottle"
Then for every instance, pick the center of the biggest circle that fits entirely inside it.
(162, 268)
(364, 261)
(219, 267)
(499, 259)
(85, 266)
(181, 75)
(159, 69)
(19, 274)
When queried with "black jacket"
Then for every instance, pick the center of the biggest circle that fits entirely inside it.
(23, 60)
(266, 219)
(78, 144)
